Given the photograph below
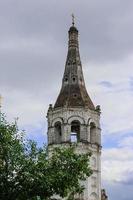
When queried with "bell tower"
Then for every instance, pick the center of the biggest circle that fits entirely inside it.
(74, 118)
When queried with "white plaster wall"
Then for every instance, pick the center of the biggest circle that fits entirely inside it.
(85, 116)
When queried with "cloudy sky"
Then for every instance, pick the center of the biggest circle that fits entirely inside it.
(33, 48)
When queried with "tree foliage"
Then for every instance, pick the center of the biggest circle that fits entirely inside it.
(29, 173)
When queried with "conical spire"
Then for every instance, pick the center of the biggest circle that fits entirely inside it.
(73, 92)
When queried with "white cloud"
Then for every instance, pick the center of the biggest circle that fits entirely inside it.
(28, 107)
(116, 101)
(116, 164)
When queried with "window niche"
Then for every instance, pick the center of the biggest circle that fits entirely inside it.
(92, 132)
(94, 182)
(74, 79)
(93, 162)
(58, 133)
(66, 79)
(75, 131)
(93, 196)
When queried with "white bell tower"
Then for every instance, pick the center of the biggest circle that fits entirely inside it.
(74, 118)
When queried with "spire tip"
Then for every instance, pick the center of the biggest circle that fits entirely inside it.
(73, 19)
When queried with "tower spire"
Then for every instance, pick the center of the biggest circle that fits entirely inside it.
(73, 92)
(73, 19)
(74, 118)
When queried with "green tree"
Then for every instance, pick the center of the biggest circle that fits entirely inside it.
(28, 173)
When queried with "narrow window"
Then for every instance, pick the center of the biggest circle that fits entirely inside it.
(74, 79)
(66, 79)
(92, 132)
(75, 131)
(58, 132)
(93, 181)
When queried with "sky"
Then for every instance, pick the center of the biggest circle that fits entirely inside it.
(33, 49)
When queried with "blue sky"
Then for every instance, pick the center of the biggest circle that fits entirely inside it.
(33, 48)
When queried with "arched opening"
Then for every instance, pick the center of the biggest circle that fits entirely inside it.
(93, 196)
(92, 132)
(74, 95)
(74, 79)
(94, 182)
(75, 131)
(66, 79)
(58, 133)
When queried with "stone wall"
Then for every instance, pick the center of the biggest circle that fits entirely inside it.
(86, 117)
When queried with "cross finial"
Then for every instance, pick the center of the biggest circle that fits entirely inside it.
(73, 19)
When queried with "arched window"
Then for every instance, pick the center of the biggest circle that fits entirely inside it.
(93, 181)
(58, 133)
(92, 132)
(75, 131)
(66, 79)
(74, 79)
(93, 196)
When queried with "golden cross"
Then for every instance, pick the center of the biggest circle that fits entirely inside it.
(73, 18)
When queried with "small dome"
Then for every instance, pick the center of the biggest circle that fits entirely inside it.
(73, 29)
